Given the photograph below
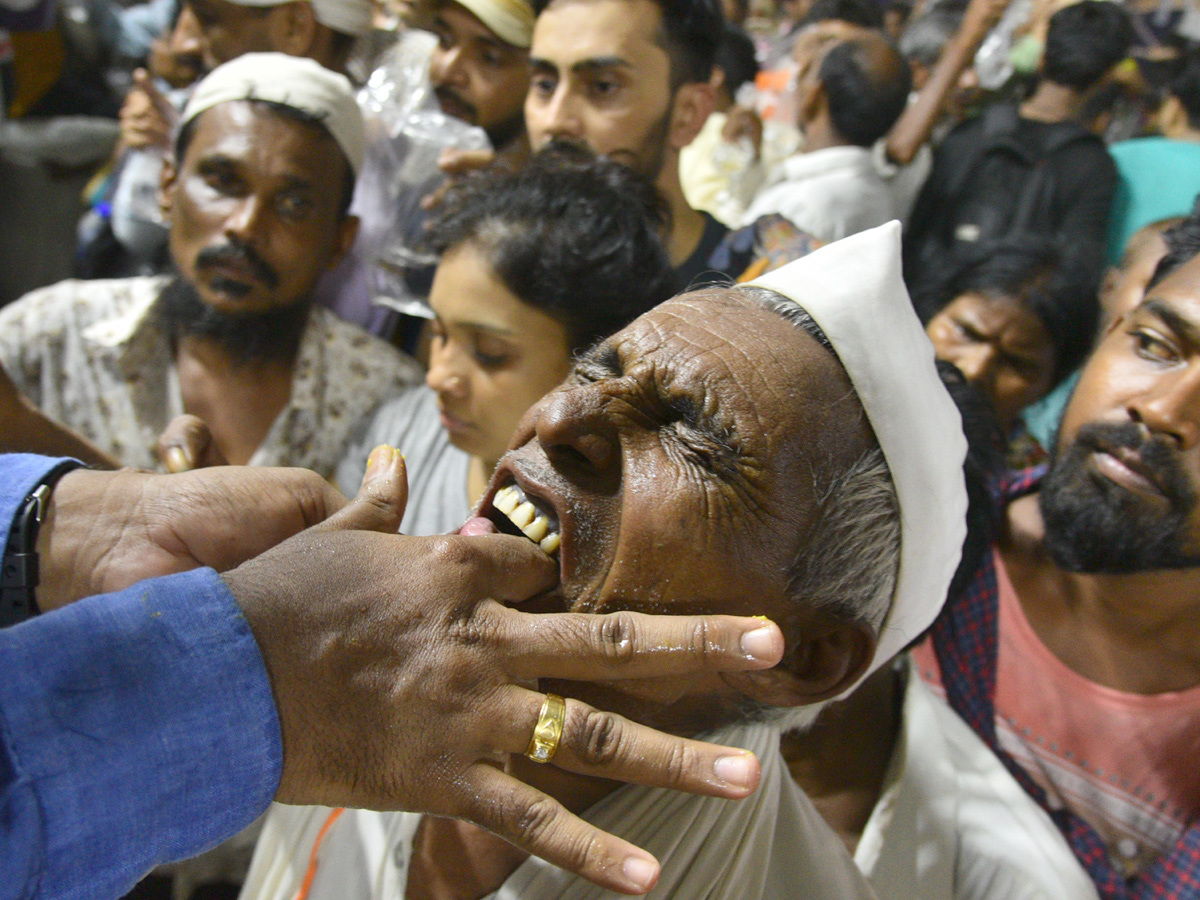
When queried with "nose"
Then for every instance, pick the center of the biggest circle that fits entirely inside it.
(446, 67)
(247, 220)
(559, 117)
(187, 38)
(445, 375)
(1171, 407)
(576, 431)
(976, 364)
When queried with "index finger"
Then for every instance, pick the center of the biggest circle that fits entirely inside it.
(623, 645)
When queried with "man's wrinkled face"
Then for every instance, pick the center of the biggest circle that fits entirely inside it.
(228, 30)
(602, 80)
(255, 208)
(476, 76)
(1121, 495)
(679, 463)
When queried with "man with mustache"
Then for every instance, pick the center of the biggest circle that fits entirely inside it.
(1075, 653)
(631, 79)
(267, 155)
(480, 67)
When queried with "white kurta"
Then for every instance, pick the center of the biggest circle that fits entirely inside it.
(953, 824)
(830, 193)
(771, 846)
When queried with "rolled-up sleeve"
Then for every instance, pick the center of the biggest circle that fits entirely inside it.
(135, 728)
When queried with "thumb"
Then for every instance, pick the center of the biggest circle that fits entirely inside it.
(186, 444)
(380, 503)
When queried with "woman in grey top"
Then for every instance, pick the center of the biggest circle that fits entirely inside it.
(534, 268)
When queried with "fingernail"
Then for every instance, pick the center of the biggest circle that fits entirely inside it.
(737, 771)
(177, 461)
(379, 461)
(642, 873)
(760, 644)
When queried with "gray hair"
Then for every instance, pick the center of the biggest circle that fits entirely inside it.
(850, 562)
(924, 38)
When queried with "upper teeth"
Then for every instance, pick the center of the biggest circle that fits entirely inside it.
(539, 527)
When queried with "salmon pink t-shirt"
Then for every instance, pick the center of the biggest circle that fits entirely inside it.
(1128, 764)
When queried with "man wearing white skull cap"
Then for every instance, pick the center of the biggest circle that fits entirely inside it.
(324, 30)
(785, 448)
(257, 205)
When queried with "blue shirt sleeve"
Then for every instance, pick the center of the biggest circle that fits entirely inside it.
(135, 728)
(19, 474)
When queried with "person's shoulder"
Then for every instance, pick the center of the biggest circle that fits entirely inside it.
(79, 303)
(363, 353)
(1154, 150)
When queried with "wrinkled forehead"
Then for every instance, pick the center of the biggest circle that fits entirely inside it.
(761, 369)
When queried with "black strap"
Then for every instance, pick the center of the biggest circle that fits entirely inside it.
(19, 570)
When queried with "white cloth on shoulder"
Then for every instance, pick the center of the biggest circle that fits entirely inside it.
(774, 845)
(953, 824)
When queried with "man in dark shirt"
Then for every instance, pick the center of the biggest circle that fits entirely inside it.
(1031, 169)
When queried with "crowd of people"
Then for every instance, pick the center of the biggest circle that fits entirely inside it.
(876, 319)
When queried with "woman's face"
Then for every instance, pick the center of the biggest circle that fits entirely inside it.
(493, 355)
(1000, 346)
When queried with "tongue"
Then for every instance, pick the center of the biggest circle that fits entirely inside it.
(477, 525)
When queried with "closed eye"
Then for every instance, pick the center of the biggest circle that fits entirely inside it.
(713, 444)
(599, 362)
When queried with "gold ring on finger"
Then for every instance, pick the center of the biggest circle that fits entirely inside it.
(548, 730)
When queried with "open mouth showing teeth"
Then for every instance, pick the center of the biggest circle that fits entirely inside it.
(514, 513)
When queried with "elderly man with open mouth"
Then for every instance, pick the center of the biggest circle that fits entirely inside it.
(784, 449)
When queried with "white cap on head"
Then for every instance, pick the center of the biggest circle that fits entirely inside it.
(853, 289)
(294, 81)
(351, 17)
(512, 20)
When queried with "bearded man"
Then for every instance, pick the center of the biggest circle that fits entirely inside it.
(632, 80)
(757, 450)
(1074, 655)
(257, 203)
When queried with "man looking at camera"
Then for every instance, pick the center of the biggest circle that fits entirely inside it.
(1075, 652)
(257, 203)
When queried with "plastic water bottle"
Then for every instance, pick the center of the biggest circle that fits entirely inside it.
(137, 220)
(993, 63)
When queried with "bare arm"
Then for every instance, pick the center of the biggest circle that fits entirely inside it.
(26, 429)
(916, 123)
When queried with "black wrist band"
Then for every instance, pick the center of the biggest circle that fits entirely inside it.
(19, 569)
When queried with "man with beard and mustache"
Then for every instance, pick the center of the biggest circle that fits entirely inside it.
(257, 203)
(480, 67)
(1076, 653)
(478, 71)
(631, 79)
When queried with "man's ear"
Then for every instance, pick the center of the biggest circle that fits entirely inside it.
(831, 656)
(294, 28)
(347, 231)
(811, 102)
(693, 104)
(166, 187)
